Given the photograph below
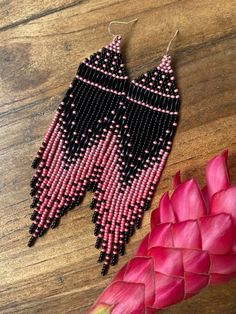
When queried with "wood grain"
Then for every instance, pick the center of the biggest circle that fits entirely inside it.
(42, 43)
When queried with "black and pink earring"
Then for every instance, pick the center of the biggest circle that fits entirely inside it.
(112, 136)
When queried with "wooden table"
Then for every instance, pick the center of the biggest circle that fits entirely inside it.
(41, 45)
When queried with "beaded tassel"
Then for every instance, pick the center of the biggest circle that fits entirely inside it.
(144, 129)
(111, 136)
(68, 162)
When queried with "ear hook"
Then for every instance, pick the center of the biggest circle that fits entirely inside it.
(168, 47)
(118, 22)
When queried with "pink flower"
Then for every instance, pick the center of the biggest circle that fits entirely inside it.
(191, 245)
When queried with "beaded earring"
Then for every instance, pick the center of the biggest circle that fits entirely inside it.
(112, 136)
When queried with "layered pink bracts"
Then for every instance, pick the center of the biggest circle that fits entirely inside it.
(192, 244)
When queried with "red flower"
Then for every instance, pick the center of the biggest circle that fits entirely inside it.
(192, 244)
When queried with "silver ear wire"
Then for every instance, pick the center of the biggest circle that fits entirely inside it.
(118, 22)
(170, 42)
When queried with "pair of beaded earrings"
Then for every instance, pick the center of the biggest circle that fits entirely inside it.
(112, 136)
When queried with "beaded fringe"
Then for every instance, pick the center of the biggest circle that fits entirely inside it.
(111, 136)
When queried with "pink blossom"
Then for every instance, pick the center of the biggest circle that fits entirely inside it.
(191, 245)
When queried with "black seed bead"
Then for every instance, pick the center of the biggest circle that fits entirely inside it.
(138, 223)
(122, 249)
(93, 204)
(33, 192)
(114, 259)
(35, 162)
(94, 187)
(131, 230)
(55, 223)
(34, 215)
(98, 243)
(33, 182)
(79, 200)
(126, 237)
(146, 205)
(73, 204)
(95, 217)
(105, 268)
(101, 257)
(32, 228)
(97, 229)
(42, 232)
(70, 207)
(88, 187)
(63, 211)
(31, 241)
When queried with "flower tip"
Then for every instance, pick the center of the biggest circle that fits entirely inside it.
(217, 173)
(187, 201)
(166, 209)
(188, 184)
(225, 153)
(165, 195)
(176, 180)
(218, 158)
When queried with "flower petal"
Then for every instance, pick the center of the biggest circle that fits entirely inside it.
(143, 247)
(216, 279)
(161, 235)
(225, 202)
(155, 217)
(167, 261)
(166, 209)
(196, 261)
(217, 175)
(205, 196)
(224, 265)
(120, 275)
(188, 202)
(141, 270)
(217, 233)
(194, 283)
(169, 290)
(176, 180)
(186, 234)
(116, 295)
(150, 310)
